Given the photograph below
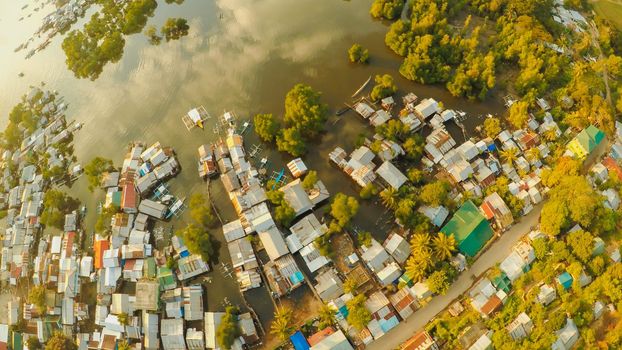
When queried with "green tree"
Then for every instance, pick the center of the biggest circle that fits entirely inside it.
(197, 240)
(266, 127)
(384, 87)
(104, 220)
(201, 211)
(419, 242)
(414, 147)
(228, 329)
(509, 155)
(304, 111)
(435, 193)
(364, 238)
(175, 28)
(124, 345)
(492, 127)
(350, 285)
(282, 325)
(95, 171)
(123, 319)
(581, 243)
(36, 296)
(358, 315)
(387, 9)
(519, 114)
(152, 35)
(284, 214)
(393, 130)
(292, 142)
(33, 343)
(358, 54)
(389, 197)
(55, 205)
(368, 191)
(310, 180)
(443, 246)
(438, 282)
(326, 316)
(343, 209)
(58, 341)
(418, 264)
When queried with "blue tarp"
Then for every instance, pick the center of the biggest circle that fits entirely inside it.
(184, 254)
(299, 341)
(296, 278)
(492, 147)
(387, 325)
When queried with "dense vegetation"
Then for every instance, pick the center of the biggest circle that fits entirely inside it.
(228, 329)
(304, 119)
(358, 54)
(56, 204)
(102, 40)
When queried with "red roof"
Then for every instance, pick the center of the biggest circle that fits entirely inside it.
(99, 248)
(417, 341)
(487, 210)
(319, 336)
(70, 237)
(613, 166)
(129, 265)
(128, 196)
(493, 304)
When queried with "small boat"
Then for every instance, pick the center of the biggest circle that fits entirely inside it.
(342, 111)
(362, 87)
(195, 117)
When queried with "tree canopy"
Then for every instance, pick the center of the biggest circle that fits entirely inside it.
(358, 315)
(58, 341)
(175, 28)
(384, 87)
(95, 171)
(343, 209)
(386, 9)
(282, 325)
(201, 211)
(358, 54)
(266, 127)
(36, 296)
(228, 329)
(55, 205)
(198, 241)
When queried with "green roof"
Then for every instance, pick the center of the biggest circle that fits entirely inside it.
(150, 267)
(165, 275)
(590, 137)
(470, 228)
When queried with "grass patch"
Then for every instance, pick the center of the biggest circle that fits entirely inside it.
(610, 10)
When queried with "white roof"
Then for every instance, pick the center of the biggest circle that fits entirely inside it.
(335, 341)
(233, 230)
(304, 232)
(427, 107)
(212, 320)
(392, 175)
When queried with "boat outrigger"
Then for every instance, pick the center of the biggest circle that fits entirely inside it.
(362, 87)
(195, 117)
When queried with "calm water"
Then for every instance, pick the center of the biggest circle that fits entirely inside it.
(245, 61)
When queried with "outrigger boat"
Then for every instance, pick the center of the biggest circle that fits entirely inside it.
(195, 117)
(362, 87)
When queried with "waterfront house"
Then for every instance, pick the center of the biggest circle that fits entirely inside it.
(296, 196)
(411, 120)
(312, 257)
(242, 254)
(328, 285)
(586, 141)
(379, 117)
(172, 334)
(427, 108)
(363, 109)
(438, 143)
(470, 229)
(273, 242)
(233, 230)
(297, 167)
(304, 232)
(391, 175)
(191, 266)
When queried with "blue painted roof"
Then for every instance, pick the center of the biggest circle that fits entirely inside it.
(565, 279)
(184, 254)
(299, 341)
(387, 325)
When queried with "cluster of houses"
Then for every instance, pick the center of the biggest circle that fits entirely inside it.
(24, 184)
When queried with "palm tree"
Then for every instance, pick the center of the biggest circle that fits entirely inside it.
(326, 316)
(282, 326)
(510, 155)
(389, 197)
(533, 154)
(123, 345)
(550, 134)
(418, 264)
(350, 285)
(420, 242)
(444, 246)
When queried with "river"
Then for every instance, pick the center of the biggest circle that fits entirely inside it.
(240, 55)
